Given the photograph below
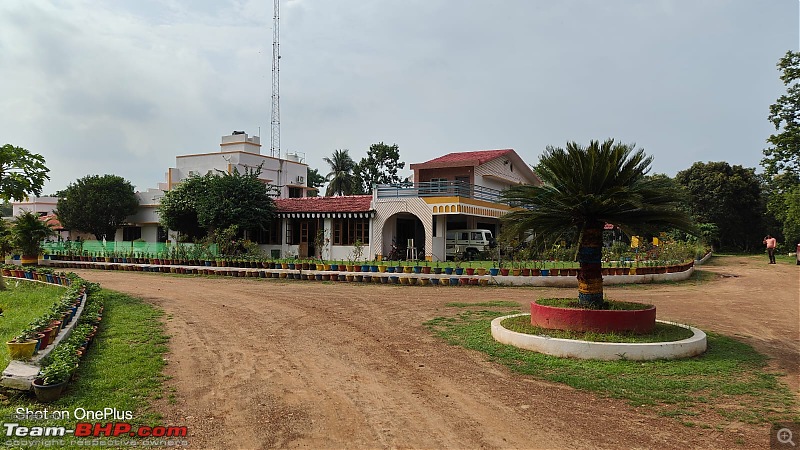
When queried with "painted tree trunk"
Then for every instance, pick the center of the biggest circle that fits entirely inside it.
(590, 276)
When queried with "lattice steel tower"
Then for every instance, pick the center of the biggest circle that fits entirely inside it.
(275, 121)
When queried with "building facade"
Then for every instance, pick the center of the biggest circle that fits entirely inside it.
(407, 220)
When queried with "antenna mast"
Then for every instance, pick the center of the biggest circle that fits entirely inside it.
(276, 84)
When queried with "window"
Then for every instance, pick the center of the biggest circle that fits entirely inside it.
(348, 231)
(161, 235)
(131, 233)
(295, 192)
(477, 236)
(271, 235)
(463, 236)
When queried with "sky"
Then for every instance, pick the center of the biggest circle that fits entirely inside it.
(124, 86)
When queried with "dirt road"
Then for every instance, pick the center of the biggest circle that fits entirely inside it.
(271, 363)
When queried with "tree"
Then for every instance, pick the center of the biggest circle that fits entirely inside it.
(315, 180)
(178, 207)
(97, 204)
(583, 189)
(342, 179)
(236, 199)
(28, 233)
(22, 173)
(781, 160)
(784, 154)
(380, 166)
(200, 205)
(6, 241)
(728, 197)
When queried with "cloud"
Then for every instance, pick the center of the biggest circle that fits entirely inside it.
(126, 86)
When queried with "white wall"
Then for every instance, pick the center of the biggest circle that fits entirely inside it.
(36, 205)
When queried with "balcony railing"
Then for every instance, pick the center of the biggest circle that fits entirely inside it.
(438, 189)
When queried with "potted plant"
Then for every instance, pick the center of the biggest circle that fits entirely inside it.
(27, 236)
(23, 346)
(52, 379)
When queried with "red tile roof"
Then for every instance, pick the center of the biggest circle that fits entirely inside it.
(52, 220)
(462, 159)
(346, 203)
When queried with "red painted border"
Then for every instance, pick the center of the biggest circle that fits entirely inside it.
(602, 321)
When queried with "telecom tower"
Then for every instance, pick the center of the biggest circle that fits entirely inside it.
(275, 121)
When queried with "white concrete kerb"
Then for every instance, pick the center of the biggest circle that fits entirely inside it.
(568, 348)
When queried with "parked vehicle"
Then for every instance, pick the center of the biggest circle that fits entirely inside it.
(467, 244)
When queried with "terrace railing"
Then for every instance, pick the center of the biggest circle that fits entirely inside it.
(438, 189)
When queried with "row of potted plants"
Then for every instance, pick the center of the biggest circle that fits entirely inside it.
(45, 329)
(398, 268)
(60, 365)
(40, 273)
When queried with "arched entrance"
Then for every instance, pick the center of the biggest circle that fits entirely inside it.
(403, 237)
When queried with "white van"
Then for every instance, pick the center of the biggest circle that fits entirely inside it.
(467, 243)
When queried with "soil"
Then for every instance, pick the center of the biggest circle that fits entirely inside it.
(272, 363)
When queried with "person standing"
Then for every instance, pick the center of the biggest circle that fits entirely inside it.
(771, 242)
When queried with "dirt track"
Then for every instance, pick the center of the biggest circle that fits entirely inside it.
(271, 363)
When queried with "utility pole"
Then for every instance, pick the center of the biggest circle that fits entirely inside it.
(275, 133)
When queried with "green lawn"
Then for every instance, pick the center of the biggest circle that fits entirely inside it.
(22, 303)
(122, 370)
(729, 383)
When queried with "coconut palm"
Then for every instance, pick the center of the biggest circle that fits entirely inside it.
(586, 187)
(342, 179)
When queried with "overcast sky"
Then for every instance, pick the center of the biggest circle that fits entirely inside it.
(124, 86)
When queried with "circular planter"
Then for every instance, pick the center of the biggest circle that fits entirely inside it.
(568, 348)
(600, 321)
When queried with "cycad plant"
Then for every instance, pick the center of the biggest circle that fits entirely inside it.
(585, 188)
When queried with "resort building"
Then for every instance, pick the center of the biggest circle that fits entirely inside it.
(457, 191)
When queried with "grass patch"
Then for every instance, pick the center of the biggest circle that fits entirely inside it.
(662, 332)
(730, 382)
(609, 305)
(22, 303)
(491, 304)
(122, 370)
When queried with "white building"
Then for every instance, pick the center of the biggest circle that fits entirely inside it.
(456, 191)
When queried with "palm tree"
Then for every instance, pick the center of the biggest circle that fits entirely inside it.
(586, 187)
(342, 179)
(28, 233)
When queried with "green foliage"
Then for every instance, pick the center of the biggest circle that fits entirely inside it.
(585, 188)
(784, 154)
(315, 179)
(235, 199)
(728, 197)
(211, 202)
(22, 173)
(342, 179)
(29, 232)
(380, 166)
(781, 160)
(178, 207)
(590, 186)
(6, 241)
(97, 204)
